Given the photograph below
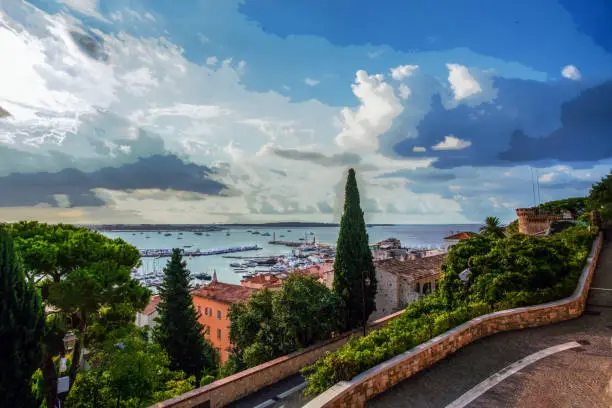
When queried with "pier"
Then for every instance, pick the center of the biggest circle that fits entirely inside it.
(287, 243)
(161, 253)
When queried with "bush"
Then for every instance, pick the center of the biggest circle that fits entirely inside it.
(516, 271)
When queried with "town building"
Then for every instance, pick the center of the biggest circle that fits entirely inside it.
(402, 282)
(213, 302)
(147, 317)
(323, 271)
(456, 237)
(262, 281)
(535, 221)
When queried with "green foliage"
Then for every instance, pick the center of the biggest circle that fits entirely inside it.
(179, 331)
(22, 322)
(274, 323)
(600, 197)
(81, 274)
(493, 228)
(519, 270)
(130, 373)
(512, 228)
(577, 205)
(353, 263)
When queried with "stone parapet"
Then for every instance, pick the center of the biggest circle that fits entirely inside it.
(222, 392)
(379, 379)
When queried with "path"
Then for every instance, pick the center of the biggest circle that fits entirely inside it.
(575, 377)
(286, 393)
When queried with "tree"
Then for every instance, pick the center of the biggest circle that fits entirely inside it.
(179, 331)
(353, 264)
(575, 205)
(275, 323)
(130, 372)
(22, 323)
(493, 228)
(79, 272)
(512, 228)
(600, 197)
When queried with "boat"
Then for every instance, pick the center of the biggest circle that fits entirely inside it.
(180, 237)
(282, 236)
(208, 235)
(255, 233)
(187, 246)
(248, 275)
(288, 230)
(236, 265)
(265, 234)
(167, 234)
(198, 233)
(301, 239)
(203, 276)
(227, 234)
(180, 233)
(147, 237)
(240, 270)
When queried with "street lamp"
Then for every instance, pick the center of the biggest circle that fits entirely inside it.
(365, 282)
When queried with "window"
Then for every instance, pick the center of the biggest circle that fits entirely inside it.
(219, 314)
(417, 287)
(200, 309)
(219, 334)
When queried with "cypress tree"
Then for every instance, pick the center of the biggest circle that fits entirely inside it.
(22, 323)
(353, 264)
(178, 331)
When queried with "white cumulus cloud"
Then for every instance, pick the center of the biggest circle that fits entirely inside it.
(403, 71)
(452, 143)
(462, 82)
(379, 107)
(571, 72)
(419, 149)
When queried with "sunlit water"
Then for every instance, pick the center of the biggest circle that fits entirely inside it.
(414, 236)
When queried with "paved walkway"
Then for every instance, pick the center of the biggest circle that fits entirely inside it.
(287, 393)
(576, 377)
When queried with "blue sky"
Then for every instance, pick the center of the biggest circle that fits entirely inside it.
(259, 107)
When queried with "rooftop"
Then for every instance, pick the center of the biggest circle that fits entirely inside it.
(150, 308)
(462, 235)
(264, 280)
(416, 269)
(224, 292)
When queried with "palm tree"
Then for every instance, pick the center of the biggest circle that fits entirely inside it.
(493, 228)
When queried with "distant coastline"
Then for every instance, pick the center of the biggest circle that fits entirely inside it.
(212, 227)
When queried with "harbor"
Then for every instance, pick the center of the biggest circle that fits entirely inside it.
(162, 253)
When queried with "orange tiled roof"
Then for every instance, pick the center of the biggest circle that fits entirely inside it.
(265, 280)
(150, 308)
(319, 269)
(462, 235)
(416, 269)
(224, 292)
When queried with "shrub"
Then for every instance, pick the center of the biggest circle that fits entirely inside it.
(516, 271)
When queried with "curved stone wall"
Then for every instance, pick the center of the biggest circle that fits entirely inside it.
(379, 379)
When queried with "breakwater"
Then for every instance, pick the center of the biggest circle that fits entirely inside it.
(161, 253)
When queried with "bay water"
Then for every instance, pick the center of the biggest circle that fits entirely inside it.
(412, 236)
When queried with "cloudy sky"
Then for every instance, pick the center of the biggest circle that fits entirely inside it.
(197, 111)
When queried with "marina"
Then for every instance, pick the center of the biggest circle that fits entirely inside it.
(162, 253)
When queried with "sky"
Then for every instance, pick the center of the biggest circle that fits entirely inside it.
(245, 111)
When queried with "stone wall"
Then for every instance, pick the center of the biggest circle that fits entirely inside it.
(221, 393)
(379, 379)
(533, 221)
(386, 294)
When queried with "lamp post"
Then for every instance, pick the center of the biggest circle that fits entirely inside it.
(365, 282)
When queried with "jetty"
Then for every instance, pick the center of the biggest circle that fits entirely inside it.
(161, 253)
(287, 243)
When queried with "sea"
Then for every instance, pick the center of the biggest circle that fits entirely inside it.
(411, 236)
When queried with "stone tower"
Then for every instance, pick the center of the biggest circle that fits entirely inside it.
(533, 220)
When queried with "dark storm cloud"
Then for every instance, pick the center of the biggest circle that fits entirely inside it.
(154, 172)
(585, 133)
(522, 107)
(343, 159)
